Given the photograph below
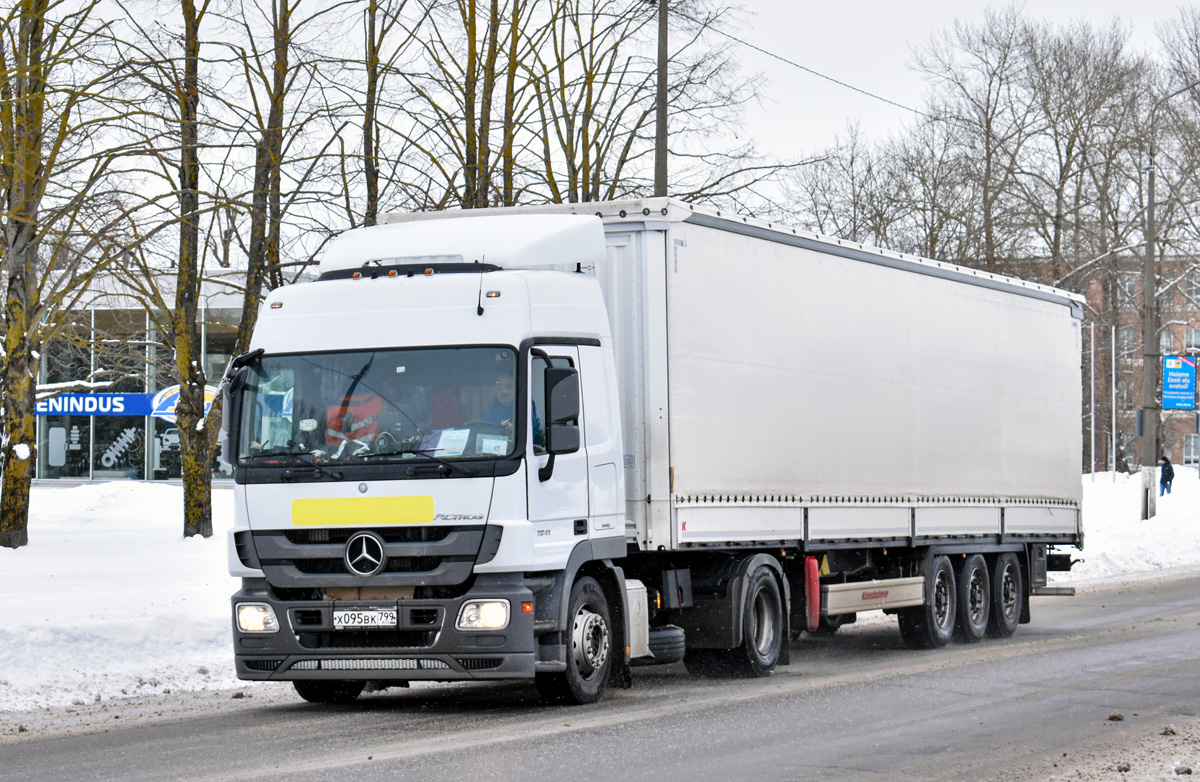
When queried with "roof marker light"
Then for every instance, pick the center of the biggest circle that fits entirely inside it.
(392, 273)
(356, 275)
(429, 272)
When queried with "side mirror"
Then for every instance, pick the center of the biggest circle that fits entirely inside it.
(231, 412)
(562, 410)
(562, 415)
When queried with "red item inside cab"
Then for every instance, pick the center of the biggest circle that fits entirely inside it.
(357, 418)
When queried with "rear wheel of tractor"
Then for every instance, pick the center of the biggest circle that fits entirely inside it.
(323, 691)
(762, 634)
(1008, 596)
(589, 649)
(930, 626)
(762, 625)
(974, 600)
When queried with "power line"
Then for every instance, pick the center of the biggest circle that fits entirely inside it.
(818, 74)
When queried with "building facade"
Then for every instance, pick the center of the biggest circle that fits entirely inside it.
(115, 419)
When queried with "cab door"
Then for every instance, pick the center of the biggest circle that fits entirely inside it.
(558, 505)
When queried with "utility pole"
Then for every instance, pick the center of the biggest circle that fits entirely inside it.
(660, 134)
(1150, 347)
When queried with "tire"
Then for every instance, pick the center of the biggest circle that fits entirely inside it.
(667, 644)
(974, 600)
(931, 626)
(762, 634)
(1008, 596)
(324, 691)
(589, 649)
(828, 625)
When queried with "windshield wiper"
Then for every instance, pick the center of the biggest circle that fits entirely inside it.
(303, 457)
(426, 452)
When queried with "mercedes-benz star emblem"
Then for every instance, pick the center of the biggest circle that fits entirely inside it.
(364, 554)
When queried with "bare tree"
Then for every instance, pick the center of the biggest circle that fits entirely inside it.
(63, 217)
(978, 77)
(1080, 80)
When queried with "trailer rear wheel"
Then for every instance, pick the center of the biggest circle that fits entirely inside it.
(1008, 595)
(324, 691)
(589, 649)
(974, 600)
(930, 626)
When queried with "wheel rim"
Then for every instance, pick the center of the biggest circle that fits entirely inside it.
(977, 597)
(589, 642)
(765, 628)
(1008, 592)
(941, 600)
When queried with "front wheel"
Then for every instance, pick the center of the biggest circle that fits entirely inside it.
(589, 649)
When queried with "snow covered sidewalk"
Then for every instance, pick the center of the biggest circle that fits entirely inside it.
(108, 600)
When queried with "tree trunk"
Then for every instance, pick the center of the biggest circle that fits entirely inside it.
(19, 427)
(197, 477)
(197, 459)
(23, 157)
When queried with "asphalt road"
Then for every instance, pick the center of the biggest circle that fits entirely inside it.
(858, 706)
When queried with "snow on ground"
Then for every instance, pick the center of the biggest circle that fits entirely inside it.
(109, 600)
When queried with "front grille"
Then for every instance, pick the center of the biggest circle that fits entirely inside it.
(418, 557)
(263, 665)
(367, 639)
(304, 537)
(479, 664)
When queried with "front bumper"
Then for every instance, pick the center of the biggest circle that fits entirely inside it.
(425, 645)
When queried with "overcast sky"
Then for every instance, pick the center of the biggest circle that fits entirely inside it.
(868, 44)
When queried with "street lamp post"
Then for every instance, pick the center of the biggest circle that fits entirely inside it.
(1150, 348)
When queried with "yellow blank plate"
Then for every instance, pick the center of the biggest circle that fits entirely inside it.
(363, 511)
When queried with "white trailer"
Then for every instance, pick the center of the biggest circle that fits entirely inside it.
(711, 419)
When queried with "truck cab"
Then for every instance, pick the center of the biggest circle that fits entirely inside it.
(426, 455)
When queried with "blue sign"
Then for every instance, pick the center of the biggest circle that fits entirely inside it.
(95, 404)
(1179, 383)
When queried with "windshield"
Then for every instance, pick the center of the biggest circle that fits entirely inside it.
(444, 403)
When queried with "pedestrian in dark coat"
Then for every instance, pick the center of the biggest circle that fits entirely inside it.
(1167, 475)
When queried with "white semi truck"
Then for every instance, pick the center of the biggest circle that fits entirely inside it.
(549, 443)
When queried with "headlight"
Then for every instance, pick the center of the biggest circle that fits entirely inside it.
(256, 618)
(483, 615)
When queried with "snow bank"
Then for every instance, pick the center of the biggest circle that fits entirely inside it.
(109, 600)
(1117, 544)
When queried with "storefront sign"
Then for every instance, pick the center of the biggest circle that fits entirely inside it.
(95, 404)
(160, 405)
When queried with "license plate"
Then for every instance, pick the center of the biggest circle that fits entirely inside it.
(359, 618)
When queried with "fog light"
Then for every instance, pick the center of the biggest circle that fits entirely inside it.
(256, 618)
(483, 615)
